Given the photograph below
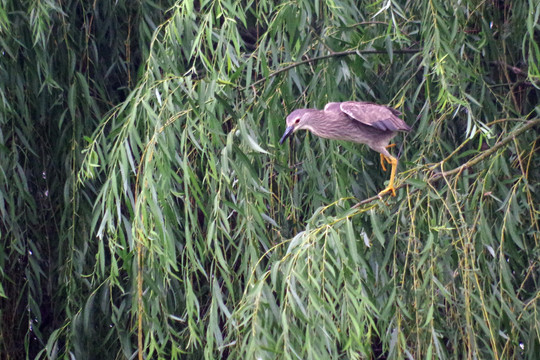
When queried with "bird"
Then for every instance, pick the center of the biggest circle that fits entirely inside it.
(360, 122)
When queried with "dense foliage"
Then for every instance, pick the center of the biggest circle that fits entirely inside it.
(147, 208)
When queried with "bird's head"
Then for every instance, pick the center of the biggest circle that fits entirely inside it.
(298, 119)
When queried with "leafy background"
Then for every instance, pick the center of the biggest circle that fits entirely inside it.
(147, 208)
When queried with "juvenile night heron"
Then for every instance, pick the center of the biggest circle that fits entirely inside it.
(359, 122)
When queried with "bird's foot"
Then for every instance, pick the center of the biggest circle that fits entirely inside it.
(389, 189)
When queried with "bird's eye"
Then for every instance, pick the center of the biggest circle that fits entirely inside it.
(297, 120)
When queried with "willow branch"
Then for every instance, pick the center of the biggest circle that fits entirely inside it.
(333, 54)
(511, 136)
(371, 199)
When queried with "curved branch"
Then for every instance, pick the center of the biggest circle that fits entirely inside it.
(333, 54)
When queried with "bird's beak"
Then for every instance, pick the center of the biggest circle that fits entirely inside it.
(288, 131)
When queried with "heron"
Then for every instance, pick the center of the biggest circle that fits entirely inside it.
(356, 121)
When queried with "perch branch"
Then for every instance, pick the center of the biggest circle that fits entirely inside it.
(486, 153)
(511, 136)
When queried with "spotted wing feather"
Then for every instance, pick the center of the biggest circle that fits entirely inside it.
(378, 116)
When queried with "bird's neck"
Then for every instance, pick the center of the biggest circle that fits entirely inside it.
(318, 117)
(323, 123)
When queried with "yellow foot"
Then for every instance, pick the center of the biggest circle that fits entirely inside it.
(389, 189)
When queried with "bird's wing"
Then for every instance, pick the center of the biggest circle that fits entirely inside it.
(378, 116)
(333, 106)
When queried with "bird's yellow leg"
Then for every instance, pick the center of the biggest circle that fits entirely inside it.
(383, 158)
(390, 188)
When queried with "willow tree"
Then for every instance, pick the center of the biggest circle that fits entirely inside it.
(149, 211)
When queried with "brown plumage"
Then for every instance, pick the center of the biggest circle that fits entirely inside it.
(361, 122)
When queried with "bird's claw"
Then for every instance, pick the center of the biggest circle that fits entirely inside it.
(389, 189)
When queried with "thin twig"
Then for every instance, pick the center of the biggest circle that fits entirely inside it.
(514, 69)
